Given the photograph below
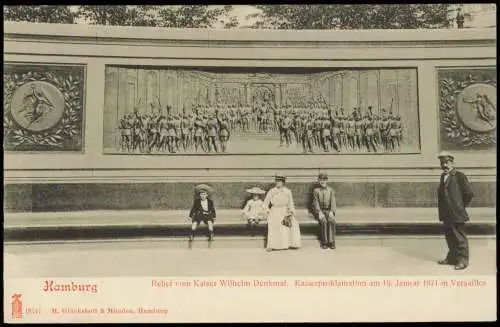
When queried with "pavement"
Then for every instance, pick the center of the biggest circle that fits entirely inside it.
(354, 256)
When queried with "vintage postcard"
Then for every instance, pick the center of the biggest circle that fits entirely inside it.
(243, 164)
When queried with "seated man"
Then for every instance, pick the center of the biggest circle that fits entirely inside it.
(324, 208)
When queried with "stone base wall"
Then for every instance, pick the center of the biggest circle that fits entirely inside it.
(230, 195)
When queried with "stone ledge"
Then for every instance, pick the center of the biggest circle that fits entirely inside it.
(101, 225)
(229, 217)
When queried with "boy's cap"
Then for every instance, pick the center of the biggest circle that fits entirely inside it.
(323, 177)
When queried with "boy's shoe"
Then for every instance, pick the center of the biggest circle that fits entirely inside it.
(211, 237)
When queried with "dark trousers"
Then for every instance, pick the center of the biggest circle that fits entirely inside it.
(458, 245)
(327, 230)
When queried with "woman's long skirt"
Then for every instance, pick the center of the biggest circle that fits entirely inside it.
(281, 237)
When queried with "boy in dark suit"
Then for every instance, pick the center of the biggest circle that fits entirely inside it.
(203, 210)
(454, 195)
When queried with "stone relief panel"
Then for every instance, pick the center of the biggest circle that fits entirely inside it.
(467, 108)
(168, 110)
(44, 107)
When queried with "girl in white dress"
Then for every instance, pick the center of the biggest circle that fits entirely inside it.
(252, 212)
(279, 204)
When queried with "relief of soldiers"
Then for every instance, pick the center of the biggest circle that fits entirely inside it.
(309, 124)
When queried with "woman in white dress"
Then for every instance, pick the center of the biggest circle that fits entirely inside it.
(278, 204)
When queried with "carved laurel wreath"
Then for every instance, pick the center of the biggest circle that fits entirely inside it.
(68, 127)
(455, 129)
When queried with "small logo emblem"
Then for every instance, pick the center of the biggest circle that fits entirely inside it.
(17, 306)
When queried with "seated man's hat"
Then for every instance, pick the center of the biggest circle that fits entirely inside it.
(322, 177)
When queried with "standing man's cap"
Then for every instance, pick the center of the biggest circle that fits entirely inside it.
(323, 177)
(445, 154)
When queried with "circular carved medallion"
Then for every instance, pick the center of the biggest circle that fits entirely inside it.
(37, 106)
(477, 107)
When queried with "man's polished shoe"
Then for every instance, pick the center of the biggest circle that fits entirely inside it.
(461, 266)
(445, 262)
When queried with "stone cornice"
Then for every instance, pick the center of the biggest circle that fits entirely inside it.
(125, 35)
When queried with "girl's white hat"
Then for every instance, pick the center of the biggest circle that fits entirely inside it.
(256, 190)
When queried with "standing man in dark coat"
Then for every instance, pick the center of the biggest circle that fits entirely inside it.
(454, 195)
(324, 207)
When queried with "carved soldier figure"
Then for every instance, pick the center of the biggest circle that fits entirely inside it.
(370, 135)
(307, 133)
(162, 126)
(126, 132)
(178, 132)
(326, 133)
(296, 128)
(224, 131)
(384, 132)
(335, 138)
(351, 132)
(460, 19)
(318, 128)
(153, 133)
(171, 134)
(212, 133)
(399, 129)
(199, 134)
(358, 137)
(185, 132)
(285, 132)
(377, 137)
(393, 135)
